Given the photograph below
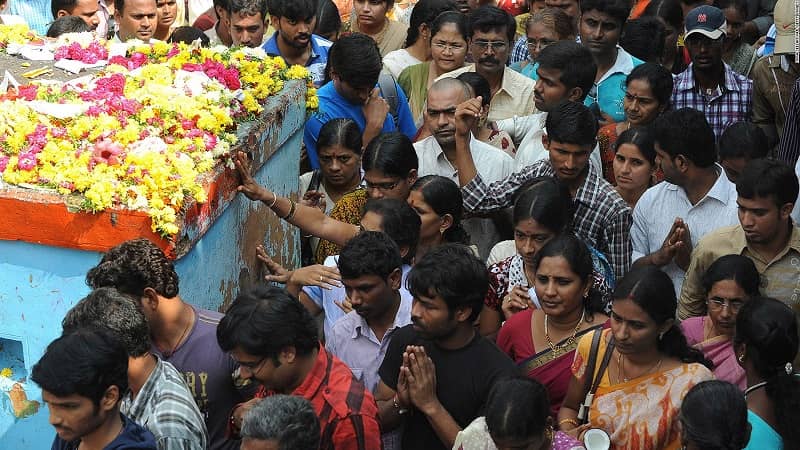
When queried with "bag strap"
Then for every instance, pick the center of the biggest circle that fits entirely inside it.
(388, 88)
(593, 381)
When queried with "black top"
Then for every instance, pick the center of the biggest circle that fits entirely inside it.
(463, 380)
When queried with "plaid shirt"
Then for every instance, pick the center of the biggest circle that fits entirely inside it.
(167, 409)
(732, 103)
(520, 51)
(347, 412)
(601, 218)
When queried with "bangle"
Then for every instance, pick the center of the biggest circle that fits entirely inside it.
(274, 200)
(292, 210)
(571, 421)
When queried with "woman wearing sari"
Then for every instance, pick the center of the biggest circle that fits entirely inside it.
(766, 346)
(542, 340)
(541, 212)
(730, 282)
(649, 370)
(448, 44)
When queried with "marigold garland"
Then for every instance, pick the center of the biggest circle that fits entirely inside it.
(146, 129)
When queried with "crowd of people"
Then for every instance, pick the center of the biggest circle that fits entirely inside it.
(526, 224)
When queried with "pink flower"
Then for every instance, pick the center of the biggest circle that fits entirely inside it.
(28, 92)
(107, 152)
(27, 161)
(3, 163)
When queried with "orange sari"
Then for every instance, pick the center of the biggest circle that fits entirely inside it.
(641, 414)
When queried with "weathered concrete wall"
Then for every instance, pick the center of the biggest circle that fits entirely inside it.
(39, 284)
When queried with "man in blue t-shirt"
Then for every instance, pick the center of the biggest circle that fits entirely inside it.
(293, 40)
(83, 376)
(354, 64)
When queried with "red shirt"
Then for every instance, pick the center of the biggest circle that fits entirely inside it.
(348, 415)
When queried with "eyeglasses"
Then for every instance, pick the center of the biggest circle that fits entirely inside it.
(541, 43)
(719, 303)
(453, 47)
(497, 46)
(383, 187)
(696, 41)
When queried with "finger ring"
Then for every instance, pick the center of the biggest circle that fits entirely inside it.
(320, 278)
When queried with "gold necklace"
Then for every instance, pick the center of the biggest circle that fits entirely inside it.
(556, 349)
(621, 367)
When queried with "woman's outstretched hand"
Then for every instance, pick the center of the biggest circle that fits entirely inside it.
(248, 185)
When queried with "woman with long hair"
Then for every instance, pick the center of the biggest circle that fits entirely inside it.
(670, 14)
(543, 210)
(389, 165)
(648, 90)
(643, 364)
(517, 416)
(766, 345)
(417, 48)
(634, 164)
(438, 202)
(729, 283)
(542, 339)
(339, 150)
(448, 44)
(714, 417)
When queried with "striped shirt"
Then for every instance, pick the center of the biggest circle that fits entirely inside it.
(347, 412)
(789, 147)
(601, 218)
(732, 101)
(167, 409)
(780, 278)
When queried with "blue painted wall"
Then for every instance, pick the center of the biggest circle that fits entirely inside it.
(39, 284)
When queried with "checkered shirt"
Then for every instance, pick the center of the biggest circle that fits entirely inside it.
(601, 218)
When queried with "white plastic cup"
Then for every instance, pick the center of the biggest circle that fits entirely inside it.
(596, 439)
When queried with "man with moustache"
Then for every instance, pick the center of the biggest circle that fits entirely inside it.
(274, 340)
(438, 372)
(491, 32)
(437, 153)
(708, 84)
(136, 19)
(293, 40)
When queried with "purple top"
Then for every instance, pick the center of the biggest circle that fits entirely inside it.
(208, 372)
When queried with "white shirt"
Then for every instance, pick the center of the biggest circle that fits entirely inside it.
(397, 60)
(527, 132)
(658, 207)
(491, 163)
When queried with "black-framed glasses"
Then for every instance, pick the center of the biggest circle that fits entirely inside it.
(388, 186)
(497, 46)
(719, 303)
